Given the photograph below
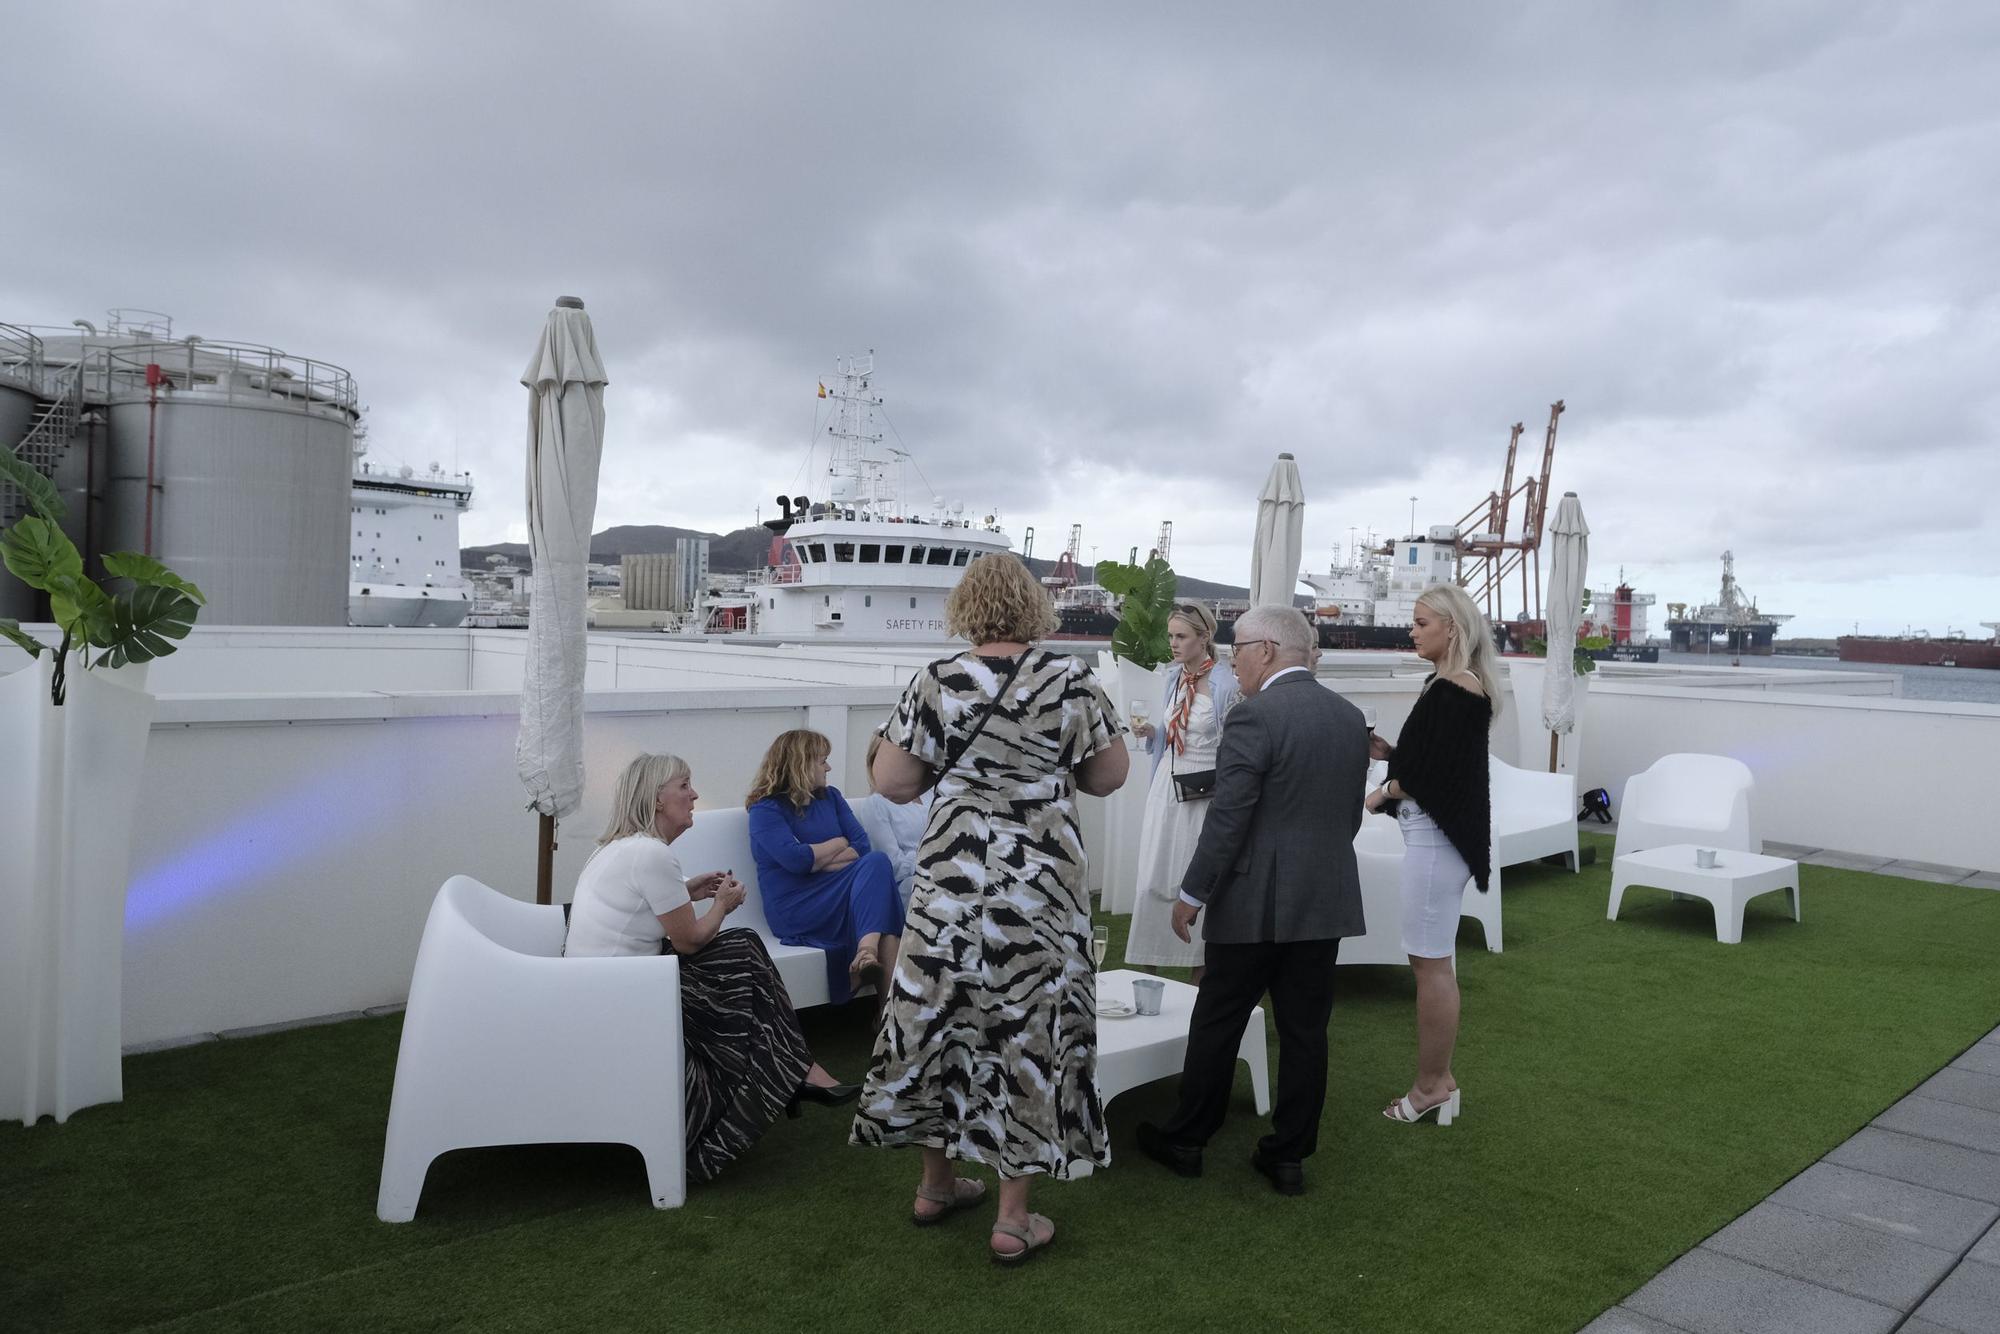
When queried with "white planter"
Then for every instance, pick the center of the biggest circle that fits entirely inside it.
(69, 788)
(1125, 809)
(1526, 677)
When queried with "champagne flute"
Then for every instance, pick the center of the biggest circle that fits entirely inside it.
(1100, 944)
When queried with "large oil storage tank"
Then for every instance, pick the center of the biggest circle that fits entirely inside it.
(230, 462)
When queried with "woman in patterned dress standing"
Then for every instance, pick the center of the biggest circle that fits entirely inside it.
(988, 1048)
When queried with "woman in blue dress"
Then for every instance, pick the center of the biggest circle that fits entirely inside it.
(823, 885)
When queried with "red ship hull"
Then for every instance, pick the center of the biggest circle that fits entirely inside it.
(1921, 652)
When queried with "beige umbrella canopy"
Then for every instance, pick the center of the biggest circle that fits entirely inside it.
(565, 381)
(1569, 567)
(1281, 523)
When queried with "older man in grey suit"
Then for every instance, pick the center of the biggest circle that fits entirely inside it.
(1275, 871)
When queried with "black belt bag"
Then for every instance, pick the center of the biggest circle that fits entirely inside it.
(1198, 786)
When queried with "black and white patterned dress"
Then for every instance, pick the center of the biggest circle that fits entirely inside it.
(988, 1048)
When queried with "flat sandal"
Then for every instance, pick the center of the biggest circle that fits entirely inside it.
(1026, 1236)
(953, 1200)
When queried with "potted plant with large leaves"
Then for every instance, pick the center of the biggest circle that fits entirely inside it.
(1130, 673)
(74, 743)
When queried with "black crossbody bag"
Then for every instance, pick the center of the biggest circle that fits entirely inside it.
(952, 757)
(1198, 786)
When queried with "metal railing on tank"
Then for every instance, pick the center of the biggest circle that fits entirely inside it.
(21, 358)
(233, 370)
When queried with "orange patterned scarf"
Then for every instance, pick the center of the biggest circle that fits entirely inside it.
(1177, 723)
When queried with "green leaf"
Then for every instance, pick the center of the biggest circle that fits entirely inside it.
(149, 573)
(10, 629)
(42, 496)
(37, 552)
(82, 609)
(1148, 591)
(146, 621)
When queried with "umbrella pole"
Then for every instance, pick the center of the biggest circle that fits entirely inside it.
(545, 858)
(1554, 741)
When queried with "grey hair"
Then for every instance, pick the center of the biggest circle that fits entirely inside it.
(633, 802)
(1286, 627)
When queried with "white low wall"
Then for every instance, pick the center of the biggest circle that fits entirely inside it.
(1910, 779)
(287, 849)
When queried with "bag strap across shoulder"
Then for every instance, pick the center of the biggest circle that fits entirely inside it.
(954, 755)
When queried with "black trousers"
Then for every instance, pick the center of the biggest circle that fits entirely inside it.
(1299, 977)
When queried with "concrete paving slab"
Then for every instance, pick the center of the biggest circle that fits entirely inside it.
(168, 1044)
(1988, 1249)
(1983, 880)
(1704, 1292)
(1937, 875)
(1905, 864)
(231, 1034)
(1923, 1162)
(1884, 1204)
(1915, 1326)
(1862, 1262)
(1980, 1058)
(383, 1011)
(1968, 1088)
(1971, 1127)
(1798, 852)
(1618, 1320)
(1845, 861)
(1968, 1302)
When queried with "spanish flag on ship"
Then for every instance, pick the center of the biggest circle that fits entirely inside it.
(822, 389)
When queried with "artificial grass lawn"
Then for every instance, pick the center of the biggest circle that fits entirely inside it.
(1629, 1087)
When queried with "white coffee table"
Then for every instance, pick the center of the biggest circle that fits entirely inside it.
(1735, 879)
(1146, 1047)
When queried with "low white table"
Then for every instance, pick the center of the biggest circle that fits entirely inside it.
(1146, 1047)
(1735, 879)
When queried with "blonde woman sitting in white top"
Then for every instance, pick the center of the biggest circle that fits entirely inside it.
(746, 1059)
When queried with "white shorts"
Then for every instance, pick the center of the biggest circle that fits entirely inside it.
(1434, 880)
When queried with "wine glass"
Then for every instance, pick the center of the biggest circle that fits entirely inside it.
(1100, 944)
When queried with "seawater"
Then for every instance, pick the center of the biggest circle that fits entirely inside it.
(1959, 685)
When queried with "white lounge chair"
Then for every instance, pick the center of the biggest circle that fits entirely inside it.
(504, 1042)
(720, 841)
(1378, 854)
(1700, 799)
(1534, 814)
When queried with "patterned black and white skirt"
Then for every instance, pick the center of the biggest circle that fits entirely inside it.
(745, 1053)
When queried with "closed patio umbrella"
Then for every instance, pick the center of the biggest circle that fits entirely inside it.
(1569, 564)
(565, 380)
(1281, 524)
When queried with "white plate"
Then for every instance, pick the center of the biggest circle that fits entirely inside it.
(1114, 1010)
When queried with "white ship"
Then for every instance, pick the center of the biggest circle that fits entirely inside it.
(403, 555)
(1369, 600)
(857, 563)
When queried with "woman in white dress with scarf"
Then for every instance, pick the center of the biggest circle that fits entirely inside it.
(1199, 694)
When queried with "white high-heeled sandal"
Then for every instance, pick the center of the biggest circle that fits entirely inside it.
(1404, 1111)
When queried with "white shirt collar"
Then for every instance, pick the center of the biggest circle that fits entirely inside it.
(1282, 671)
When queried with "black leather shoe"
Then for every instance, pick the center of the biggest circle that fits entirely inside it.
(1184, 1159)
(829, 1095)
(1286, 1178)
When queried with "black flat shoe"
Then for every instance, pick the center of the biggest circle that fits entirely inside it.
(1286, 1178)
(1182, 1159)
(829, 1095)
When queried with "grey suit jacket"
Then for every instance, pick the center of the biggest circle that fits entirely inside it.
(1276, 856)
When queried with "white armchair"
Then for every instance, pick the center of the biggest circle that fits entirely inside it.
(1378, 854)
(505, 1042)
(1688, 798)
(1534, 814)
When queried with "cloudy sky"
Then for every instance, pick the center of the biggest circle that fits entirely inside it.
(1111, 258)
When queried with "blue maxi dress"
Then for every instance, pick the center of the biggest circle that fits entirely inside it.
(827, 910)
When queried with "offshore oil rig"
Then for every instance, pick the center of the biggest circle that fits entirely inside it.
(1733, 618)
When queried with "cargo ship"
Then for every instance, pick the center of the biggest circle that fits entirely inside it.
(1921, 650)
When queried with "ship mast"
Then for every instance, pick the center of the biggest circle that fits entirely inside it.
(858, 468)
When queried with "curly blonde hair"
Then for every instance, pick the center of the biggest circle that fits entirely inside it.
(999, 601)
(790, 770)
